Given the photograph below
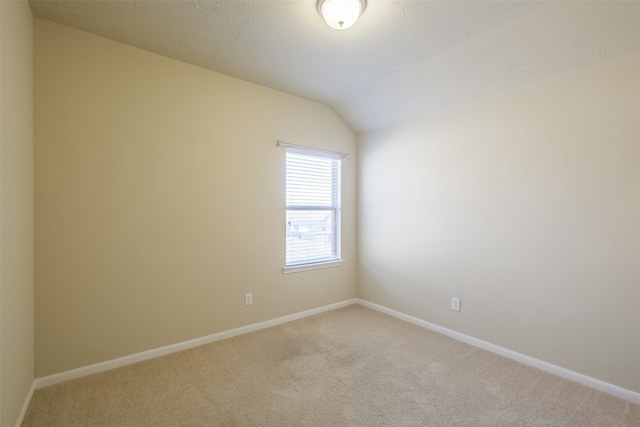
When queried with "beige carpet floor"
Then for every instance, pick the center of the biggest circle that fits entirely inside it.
(348, 367)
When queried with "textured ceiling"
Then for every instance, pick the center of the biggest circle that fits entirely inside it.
(403, 58)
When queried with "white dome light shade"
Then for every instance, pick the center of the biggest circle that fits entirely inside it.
(341, 14)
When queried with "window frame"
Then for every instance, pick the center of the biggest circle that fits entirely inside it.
(335, 259)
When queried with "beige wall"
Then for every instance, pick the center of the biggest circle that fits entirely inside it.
(16, 208)
(526, 205)
(159, 201)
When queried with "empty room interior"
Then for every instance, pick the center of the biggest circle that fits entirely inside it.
(256, 212)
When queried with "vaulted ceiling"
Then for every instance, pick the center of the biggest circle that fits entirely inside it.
(402, 59)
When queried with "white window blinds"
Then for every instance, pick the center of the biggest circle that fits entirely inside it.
(313, 206)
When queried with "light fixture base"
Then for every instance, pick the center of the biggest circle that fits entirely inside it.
(341, 14)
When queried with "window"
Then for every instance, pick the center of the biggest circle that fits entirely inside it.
(313, 207)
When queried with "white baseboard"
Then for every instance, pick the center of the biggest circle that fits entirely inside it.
(25, 406)
(150, 354)
(614, 390)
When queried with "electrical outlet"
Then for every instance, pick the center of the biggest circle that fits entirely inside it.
(455, 304)
(248, 299)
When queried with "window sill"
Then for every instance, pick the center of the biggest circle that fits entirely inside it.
(315, 266)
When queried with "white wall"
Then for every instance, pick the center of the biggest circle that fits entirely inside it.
(159, 201)
(526, 205)
(16, 208)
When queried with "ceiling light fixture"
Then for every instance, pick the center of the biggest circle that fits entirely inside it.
(341, 14)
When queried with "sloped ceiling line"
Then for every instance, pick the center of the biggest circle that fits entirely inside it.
(402, 59)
